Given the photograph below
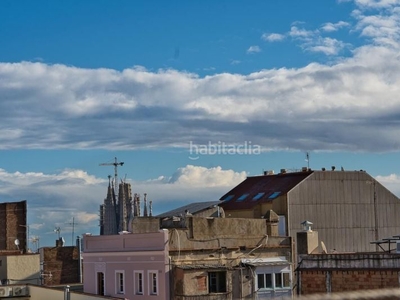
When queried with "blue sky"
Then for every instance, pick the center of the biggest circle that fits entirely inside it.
(82, 82)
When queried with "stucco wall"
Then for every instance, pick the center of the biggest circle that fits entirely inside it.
(24, 268)
(128, 253)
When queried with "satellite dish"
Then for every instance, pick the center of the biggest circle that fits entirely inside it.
(16, 242)
(324, 251)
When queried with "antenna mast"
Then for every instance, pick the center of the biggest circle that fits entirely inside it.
(308, 160)
(115, 164)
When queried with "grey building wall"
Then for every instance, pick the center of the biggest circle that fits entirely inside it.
(349, 209)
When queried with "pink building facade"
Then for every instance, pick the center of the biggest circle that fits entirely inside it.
(131, 266)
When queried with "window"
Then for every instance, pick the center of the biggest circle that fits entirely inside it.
(153, 283)
(274, 195)
(138, 284)
(241, 198)
(258, 196)
(264, 281)
(229, 197)
(273, 280)
(119, 282)
(282, 280)
(217, 282)
(100, 283)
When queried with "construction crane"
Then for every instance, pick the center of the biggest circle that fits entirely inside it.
(115, 164)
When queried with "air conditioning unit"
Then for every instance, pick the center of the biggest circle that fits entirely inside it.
(20, 290)
(398, 247)
(5, 291)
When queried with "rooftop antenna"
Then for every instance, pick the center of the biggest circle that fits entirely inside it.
(58, 231)
(73, 229)
(308, 160)
(35, 241)
(116, 163)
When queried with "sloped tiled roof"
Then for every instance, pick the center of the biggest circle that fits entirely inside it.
(258, 189)
(192, 208)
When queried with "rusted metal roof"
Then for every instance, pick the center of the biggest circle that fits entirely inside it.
(259, 189)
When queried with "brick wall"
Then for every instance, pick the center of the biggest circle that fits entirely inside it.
(62, 263)
(13, 225)
(347, 280)
(313, 282)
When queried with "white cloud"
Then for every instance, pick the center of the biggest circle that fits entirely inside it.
(391, 182)
(68, 107)
(253, 49)
(368, 4)
(330, 27)
(328, 46)
(300, 33)
(273, 37)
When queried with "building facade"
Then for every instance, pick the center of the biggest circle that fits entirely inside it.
(349, 209)
(132, 266)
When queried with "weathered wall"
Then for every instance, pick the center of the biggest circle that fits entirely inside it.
(145, 224)
(194, 282)
(62, 263)
(315, 282)
(343, 206)
(348, 272)
(220, 244)
(13, 225)
(23, 268)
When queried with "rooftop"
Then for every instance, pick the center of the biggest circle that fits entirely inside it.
(192, 208)
(258, 189)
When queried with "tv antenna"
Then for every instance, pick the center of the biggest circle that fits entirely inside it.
(73, 229)
(35, 241)
(58, 231)
(308, 160)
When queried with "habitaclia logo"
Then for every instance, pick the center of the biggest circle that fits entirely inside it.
(222, 148)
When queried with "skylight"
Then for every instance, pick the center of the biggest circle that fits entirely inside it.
(229, 197)
(241, 198)
(274, 195)
(258, 196)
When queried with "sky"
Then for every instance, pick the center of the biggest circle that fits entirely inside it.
(193, 97)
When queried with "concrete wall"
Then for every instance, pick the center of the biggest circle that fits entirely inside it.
(145, 224)
(348, 272)
(344, 207)
(22, 268)
(225, 233)
(126, 253)
(45, 293)
(219, 245)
